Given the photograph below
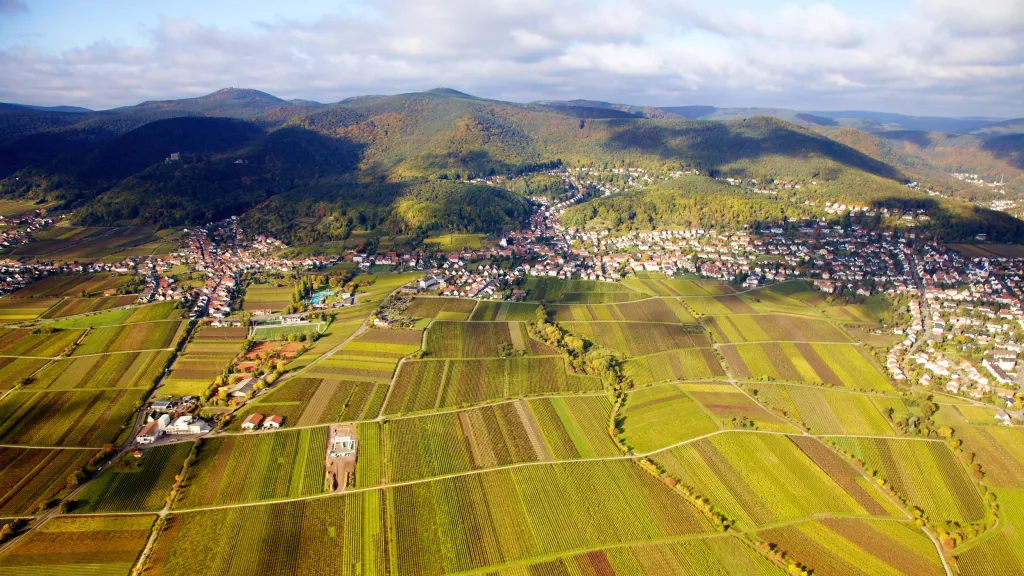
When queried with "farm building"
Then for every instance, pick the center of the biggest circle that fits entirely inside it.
(149, 433)
(187, 425)
(272, 422)
(342, 446)
(252, 421)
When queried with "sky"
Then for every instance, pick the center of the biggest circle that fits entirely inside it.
(920, 57)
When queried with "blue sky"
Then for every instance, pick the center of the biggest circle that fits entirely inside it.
(949, 57)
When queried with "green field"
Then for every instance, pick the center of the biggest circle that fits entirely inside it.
(204, 357)
(457, 309)
(66, 418)
(273, 296)
(733, 408)
(128, 337)
(472, 339)
(825, 411)
(687, 364)
(773, 327)
(372, 356)
(639, 338)
(36, 342)
(457, 241)
(71, 285)
(134, 315)
(578, 291)
(128, 370)
(250, 468)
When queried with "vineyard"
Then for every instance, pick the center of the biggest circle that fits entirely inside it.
(202, 360)
(842, 365)
(659, 417)
(372, 356)
(575, 427)
(1003, 552)
(825, 411)
(578, 291)
(81, 418)
(464, 523)
(129, 337)
(733, 408)
(759, 478)
(858, 547)
(1000, 449)
(64, 285)
(649, 310)
(31, 476)
(75, 306)
(12, 310)
(127, 370)
(489, 311)
(456, 309)
(132, 483)
(638, 338)
(68, 546)
(309, 401)
(250, 468)
(470, 339)
(687, 364)
(774, 327)
(926, 473)
(14, 369)
(36, 343)
(135, 315)
(678, 287)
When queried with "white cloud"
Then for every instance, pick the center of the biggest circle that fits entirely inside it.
(945, 56)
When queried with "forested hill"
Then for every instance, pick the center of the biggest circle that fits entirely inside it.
(241, 148)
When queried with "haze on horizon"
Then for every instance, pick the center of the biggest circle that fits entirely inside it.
(919, 57)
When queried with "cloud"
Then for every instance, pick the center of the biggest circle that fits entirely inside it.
(12, 6)
(942, 56)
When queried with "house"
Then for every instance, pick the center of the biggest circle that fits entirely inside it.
(252, 421)
(149, 433)
(187, 425)
(1004, 418)
(342, 446)
(272, 422)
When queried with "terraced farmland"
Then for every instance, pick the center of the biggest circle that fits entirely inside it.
(254, 467)
(31, 476)
(825, 411)
(761, 478)
(66, 546)
(926, 473)
(131, 483)
(843, 365)
(858, 547)
(504, 516)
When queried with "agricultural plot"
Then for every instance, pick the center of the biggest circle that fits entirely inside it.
(270, 296)
(854, 547)
(23, 309)
(537, 376)
(372, 355)
(277, 331)
(490, 311)
(128, 370)
(465, 523)
(81, 418)
(85, 243)
(926, 473)
(71, 285)
(456, 309)
(732, 408)
(76, 306)
(639, 338)
(310, 401)
(337, 332)
(718, 305)
(31, 476)
(1000, 450)
(135, 315)
(202, 360)
(13, 370)
(575, 427)
(698, 557)
(578, 291)
(1003, 553)
(453, 442)
(843, 365)
(774, 327)
(471, 339)
(659, 417)
(36, 342)
(649, 310)
(132, 484)
(758, 478)
(129, 337)
(825, 411)
(457, 241)
(69, 546)
(686, 364)
(678, 286)
(250, 468)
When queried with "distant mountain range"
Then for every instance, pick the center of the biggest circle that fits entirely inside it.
(243, 151)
